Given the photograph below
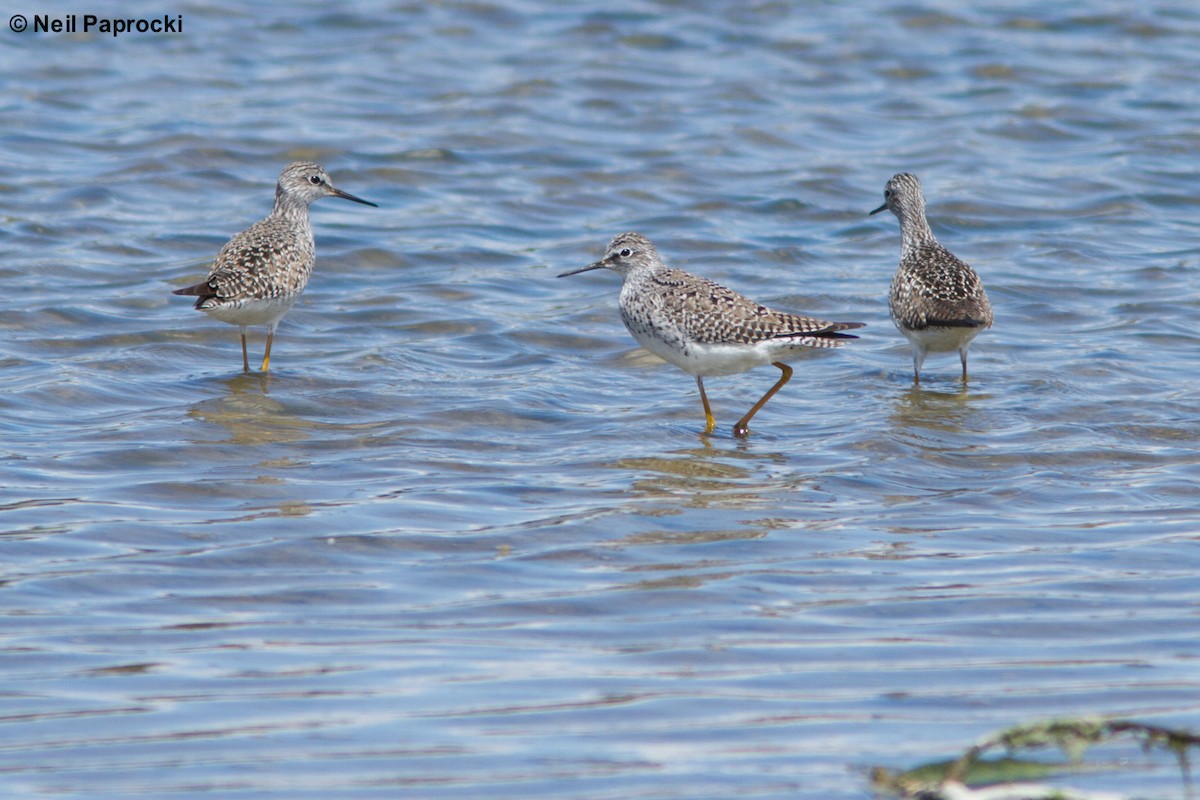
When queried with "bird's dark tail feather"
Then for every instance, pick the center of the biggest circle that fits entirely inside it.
(203, 292)
(835, 328)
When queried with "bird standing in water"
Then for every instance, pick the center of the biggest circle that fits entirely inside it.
(937, 301)
(704, 328)
(261, 272)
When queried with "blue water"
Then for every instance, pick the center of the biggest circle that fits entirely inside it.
(465, 540)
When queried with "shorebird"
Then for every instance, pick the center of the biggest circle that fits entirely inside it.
(259, 273)
(937, 301)
(704, 328)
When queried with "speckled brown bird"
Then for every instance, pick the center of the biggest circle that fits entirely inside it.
(259, 273)
(937, 301)
(704, 328)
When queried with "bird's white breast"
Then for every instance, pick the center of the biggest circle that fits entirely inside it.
(252, 311)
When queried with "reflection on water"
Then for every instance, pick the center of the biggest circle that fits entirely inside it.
(706, 477)
(249, 414)
(936, 410)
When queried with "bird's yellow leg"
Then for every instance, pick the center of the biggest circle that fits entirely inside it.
(267, 355)
(710, 424)
(245, 358)
(743, 425)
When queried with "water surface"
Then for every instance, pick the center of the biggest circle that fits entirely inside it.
(465, 539)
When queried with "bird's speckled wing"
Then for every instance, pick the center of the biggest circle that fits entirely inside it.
(933, 287)
(709, 313)
(267, 260)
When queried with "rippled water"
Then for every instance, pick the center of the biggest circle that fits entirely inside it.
(465, 540)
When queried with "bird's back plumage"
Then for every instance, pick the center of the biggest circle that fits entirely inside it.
(271, 259)
(935, 288)
(709, 313)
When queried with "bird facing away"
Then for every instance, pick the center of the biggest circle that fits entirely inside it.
(937, 301)
(259, 273)
(704, 328)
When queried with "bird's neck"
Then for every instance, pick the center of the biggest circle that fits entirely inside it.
(290, 209)
(915, 233)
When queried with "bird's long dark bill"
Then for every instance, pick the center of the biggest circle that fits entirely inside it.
(197, 290)
(597, 265)
(876, 211)
(348, 196)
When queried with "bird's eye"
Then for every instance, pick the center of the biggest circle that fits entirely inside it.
(887, 193)
(626, 252)
(315, 180)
